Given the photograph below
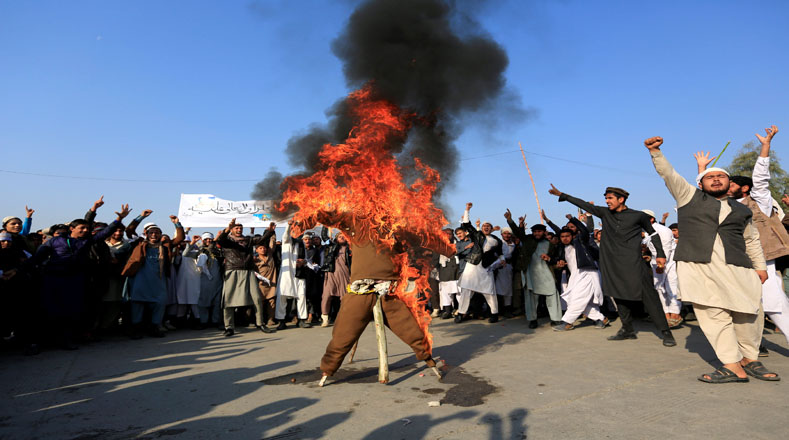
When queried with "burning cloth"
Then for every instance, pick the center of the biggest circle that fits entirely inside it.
(359, 188)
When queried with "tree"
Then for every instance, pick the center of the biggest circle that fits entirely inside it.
(742, 165)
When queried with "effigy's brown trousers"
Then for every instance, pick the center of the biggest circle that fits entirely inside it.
(356, 311)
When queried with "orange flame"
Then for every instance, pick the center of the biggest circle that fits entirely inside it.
(361, 178)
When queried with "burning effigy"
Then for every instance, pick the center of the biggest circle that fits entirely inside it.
(419, 69)
(359, 189)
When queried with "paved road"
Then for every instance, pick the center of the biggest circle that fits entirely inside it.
(503, 381)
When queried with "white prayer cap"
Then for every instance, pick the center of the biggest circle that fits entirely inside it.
(148, 226)
(9, 218)
(207, 235)
(649, 212)
(709, 170)
(503, 230)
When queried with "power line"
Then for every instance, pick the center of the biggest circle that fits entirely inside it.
(586, 164)
(120, 179)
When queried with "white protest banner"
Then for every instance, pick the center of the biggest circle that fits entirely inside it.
(209, 211)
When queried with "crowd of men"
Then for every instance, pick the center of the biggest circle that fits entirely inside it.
(87, 278)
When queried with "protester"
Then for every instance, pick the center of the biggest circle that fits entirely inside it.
(292, 283)
(64, 263)
(112, 301)
(336, 270)
(267, 273)
(240, 288)
(187, 283)
(148, 272)
(665, 277)
(210, 262)
(478, 276)
(582, 291)
(754, 192)
(624, 275)
(721, 268)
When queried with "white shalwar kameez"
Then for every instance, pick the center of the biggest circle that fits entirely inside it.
(288, 286)
(187, 282)
(663, 281)
(477, 279)
(583, 294)
(447, 290)
(504, 274)
(774, 300)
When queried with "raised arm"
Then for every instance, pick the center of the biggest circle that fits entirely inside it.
(520, 233)
(582, 229)
(131, 230)
(552, 225)
(702, 160)
(28, 223)
(179, 231)
(264, 239)
(680, 189)
(586, 206)
(760, 192)
(109, 230)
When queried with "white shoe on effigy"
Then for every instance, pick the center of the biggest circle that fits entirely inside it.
(324, 320)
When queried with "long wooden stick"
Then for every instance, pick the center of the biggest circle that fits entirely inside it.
(533, 186)
(353, 351)
(380, 335)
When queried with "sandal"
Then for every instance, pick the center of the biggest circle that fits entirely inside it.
(674, 323)
(758, 370)
(722, 375)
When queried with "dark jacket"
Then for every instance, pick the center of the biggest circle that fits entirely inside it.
(448, 272)
(330, 251)
(238, 254)
(584, 253)
(476, 256)
(462, 253)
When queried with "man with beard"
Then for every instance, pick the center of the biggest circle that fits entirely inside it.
(720, 265)
(336, 268)
(625, 276)
(240, 287)
(540, 281)
(292, 283)
(755, 194)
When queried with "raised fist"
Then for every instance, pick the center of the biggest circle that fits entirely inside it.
(653, 143)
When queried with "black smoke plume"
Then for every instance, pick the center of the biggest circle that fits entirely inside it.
(418, 61)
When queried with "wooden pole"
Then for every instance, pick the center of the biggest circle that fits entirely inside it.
(533, 186)
(380, 336)
(353, 351)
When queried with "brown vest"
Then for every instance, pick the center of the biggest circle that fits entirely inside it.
(772, 234)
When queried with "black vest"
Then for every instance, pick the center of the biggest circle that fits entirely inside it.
(698, 226)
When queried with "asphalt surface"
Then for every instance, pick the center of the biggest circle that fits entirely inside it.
(502, 381)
